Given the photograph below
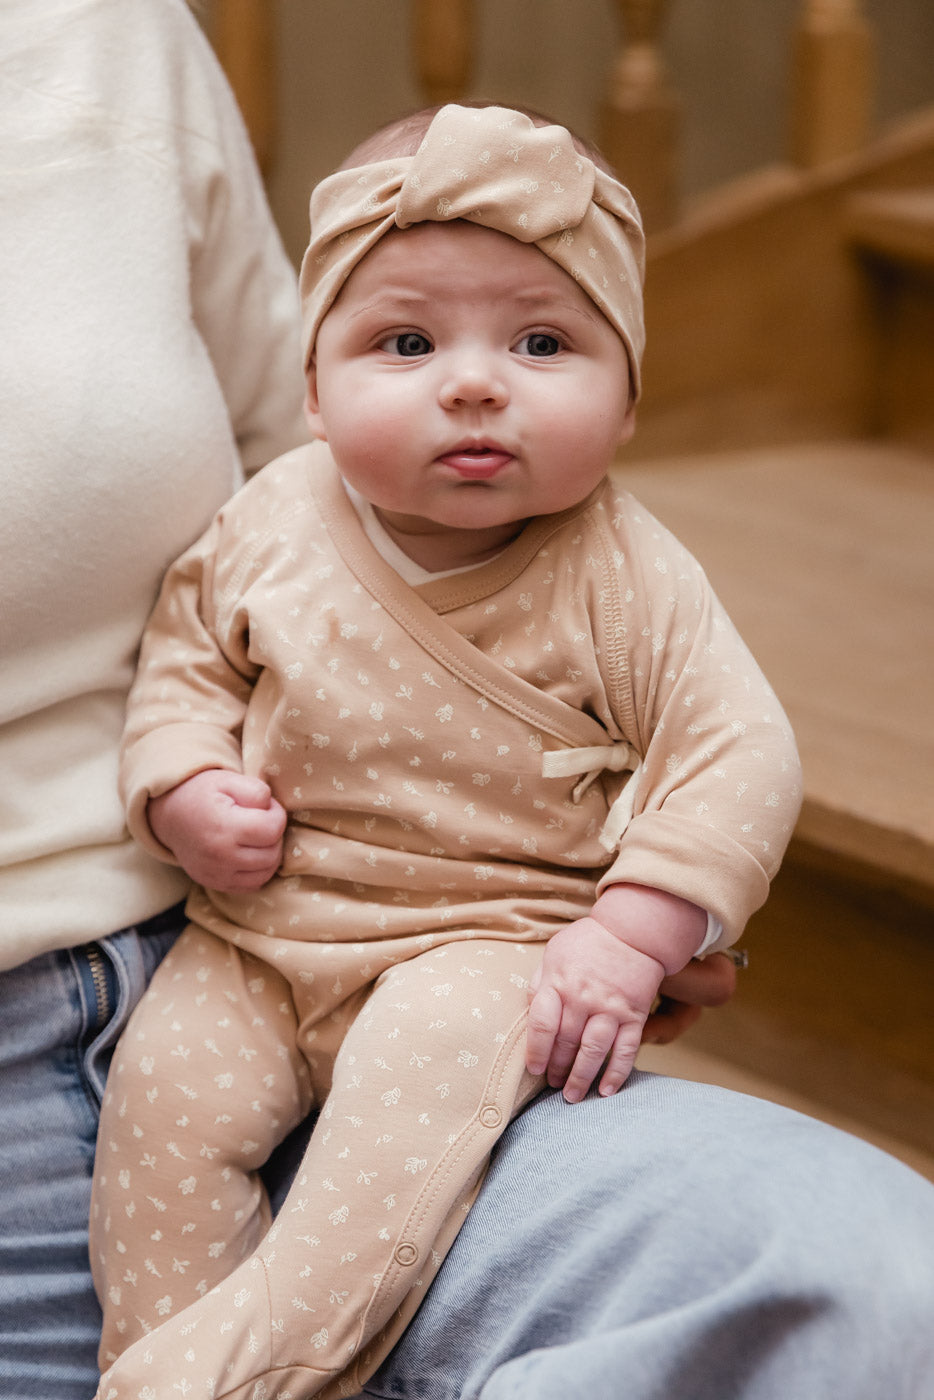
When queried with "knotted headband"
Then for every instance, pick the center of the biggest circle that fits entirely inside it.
(495, 167)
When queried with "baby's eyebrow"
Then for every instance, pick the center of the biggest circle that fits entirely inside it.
(390, 299)
(548, 301)
(531, 304)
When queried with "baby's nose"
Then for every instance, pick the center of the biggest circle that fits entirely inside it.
(473, 382)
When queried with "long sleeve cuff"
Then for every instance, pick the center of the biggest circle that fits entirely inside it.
(697, 862)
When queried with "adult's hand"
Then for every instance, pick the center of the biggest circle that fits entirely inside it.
(684, 995)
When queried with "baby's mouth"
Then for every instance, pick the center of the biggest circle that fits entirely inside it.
(476, 461)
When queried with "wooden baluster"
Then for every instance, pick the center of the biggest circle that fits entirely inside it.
(833, 72)
(243, 34)
(444, 47)
(641, 118)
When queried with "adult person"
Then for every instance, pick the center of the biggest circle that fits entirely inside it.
(149, 355)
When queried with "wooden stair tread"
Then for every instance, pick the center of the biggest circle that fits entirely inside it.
(895, 224)
(824, 557)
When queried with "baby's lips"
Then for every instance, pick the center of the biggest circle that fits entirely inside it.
(477, 461)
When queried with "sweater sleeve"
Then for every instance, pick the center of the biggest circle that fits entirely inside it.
(186, 709)
(243, 288)
(719, 789)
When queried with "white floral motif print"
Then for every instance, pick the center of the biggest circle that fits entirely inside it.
(402, 846)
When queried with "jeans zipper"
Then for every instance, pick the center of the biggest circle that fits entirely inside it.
(98, 970)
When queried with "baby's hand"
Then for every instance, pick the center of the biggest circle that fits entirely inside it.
(598, 980)
(589, 1000)
(224, 829)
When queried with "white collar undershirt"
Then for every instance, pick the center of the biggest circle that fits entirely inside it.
(386, 547)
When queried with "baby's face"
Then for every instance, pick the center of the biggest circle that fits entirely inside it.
(464, 383)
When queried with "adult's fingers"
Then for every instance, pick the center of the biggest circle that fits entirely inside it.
(668, 1021)
(707, 981)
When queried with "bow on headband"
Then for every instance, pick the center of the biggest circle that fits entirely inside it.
(495, 167)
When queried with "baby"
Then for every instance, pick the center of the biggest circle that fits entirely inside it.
(460, 749)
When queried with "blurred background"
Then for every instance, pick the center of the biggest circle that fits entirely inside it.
(782, 152)
(342, 67)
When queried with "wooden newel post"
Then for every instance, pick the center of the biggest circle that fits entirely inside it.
(640, 120)
(243, 33)
(833, 79)
(444, 47)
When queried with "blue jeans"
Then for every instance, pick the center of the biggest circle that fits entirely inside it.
(679, 1242)
(60, 1016)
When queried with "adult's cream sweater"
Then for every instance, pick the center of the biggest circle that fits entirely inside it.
(149, 353)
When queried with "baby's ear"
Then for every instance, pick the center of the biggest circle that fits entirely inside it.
(312, 411)
(628, 426)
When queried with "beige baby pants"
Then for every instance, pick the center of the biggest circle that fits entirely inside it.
(419, 1072)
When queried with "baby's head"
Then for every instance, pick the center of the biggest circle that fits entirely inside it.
(477, 271)
(501, 168)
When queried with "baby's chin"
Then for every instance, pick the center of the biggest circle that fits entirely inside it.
(446, 540)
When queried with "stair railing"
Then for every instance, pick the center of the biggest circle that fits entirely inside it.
(833, 82)
(831, 89)
(640, 119)
(444, 47)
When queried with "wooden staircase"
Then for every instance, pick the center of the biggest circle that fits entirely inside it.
(787, 436)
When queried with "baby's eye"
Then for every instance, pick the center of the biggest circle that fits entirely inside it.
(408, 343)
(539, 345)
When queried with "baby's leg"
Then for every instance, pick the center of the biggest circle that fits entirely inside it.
(205, 1082)
(425, 1081)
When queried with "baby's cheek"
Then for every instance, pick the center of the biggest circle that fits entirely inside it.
(380, 432)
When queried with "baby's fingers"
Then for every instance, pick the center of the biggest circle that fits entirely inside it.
(260, 829)
(258, 863)
(246, 791)
(622, 1058)
(544, 1021)
(597, 1040)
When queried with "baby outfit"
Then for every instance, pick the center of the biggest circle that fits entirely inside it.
(466, 763)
